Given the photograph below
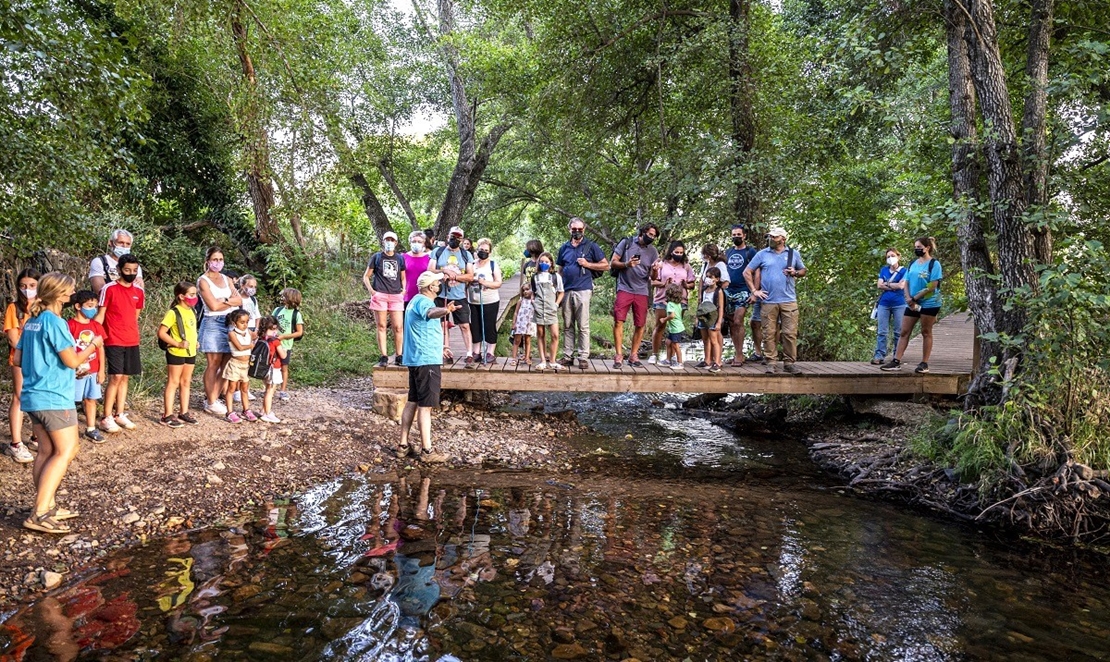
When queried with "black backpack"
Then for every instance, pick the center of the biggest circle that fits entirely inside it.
(261, 360)
(613, 271)
(180, 329)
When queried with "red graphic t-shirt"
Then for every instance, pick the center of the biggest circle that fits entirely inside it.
(83, 334)
(120, 304)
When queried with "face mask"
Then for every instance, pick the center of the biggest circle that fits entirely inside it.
(216, 266)
(543, 266)
(737, 241)
(483, 255)
(271, 334)
(576, 234)
(709, 282)
(919, 252)
(892, 260)
(250, 291)
(120, 251)
(389, 246)
(191, 301)
(128, 278)
(30, 292)
(89, 312)
(678, 258)
(418, 247)
(453, 242)
(646, 240)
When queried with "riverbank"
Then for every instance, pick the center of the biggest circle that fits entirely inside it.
(155, 481)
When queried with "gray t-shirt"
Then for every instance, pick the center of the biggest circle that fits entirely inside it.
(635, 280)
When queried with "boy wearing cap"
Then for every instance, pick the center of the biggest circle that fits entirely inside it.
(385, 281)
(778, 266)
(423, 337)
(457, 267)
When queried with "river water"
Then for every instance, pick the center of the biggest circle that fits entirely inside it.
(688, 542)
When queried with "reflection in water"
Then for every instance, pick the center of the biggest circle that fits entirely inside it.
(740, 555)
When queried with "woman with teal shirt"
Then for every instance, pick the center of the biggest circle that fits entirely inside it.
(49, 361)
(922, 296)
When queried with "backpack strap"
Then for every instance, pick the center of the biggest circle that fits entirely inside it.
(180, 322)
(789, 258)
(104, 265)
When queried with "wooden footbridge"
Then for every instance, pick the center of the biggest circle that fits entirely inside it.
(949, 373)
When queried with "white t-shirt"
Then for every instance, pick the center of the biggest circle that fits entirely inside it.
(96, 268)
(490, 272)
(251, 307)
(724, 273)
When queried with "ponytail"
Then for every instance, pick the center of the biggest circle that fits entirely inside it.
(52, 288)
(930, 243)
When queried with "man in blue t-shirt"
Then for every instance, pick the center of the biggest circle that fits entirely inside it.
(778, 266)
(423, 340)
(578, 260)
(457, 267)
(737, 295)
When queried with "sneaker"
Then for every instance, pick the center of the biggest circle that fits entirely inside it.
(790, 367)
(769, 368)
(32, 443)
(702, 364)
(567, 362)
(124, 422)
(250, 416)
(19, 453)
(215, 408)
(757, 357)
(429, 456)
(44, 523)
(108, 424)
(283, 396)
(618, 363)
(383, 362)
(583, 364)
(677, 365)
(489, 359)
(236, 397)
(232, 417)
(877, 360)
(714, 368)
(187, 418)
(397, 361)
(653, 359)
(269, 418)
(893, 365)
(171, 421)
(469, 361)
(921, 368)
(250, 396)
(94, 436)
(662, 363)
(635, 363)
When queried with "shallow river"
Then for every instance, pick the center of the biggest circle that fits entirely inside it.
(724, 548)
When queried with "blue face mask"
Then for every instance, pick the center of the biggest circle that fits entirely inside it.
(89, 312)
(543, 266)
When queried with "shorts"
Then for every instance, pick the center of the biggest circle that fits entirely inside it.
(734, 302)
(275, 377)
(659, 306)
(460, 316)
(382, 302)
(755, 312)
(180, 360)
(923, 312)
(637, 302)
(674, 338)
(703, 327)
(424, 383)
(288, 355)
(236, 371)
(123, 360)
(87, 389)
(53, 420)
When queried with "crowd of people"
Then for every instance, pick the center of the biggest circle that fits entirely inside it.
(61, 359)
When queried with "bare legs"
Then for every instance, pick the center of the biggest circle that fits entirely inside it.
(56, 450)
(115, 396)
(178, 380)
(423, 418)
(213, 379)
(15, 414)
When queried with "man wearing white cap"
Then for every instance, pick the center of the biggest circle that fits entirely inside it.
(778, 267)
(423, 338)
(457, 267)
(385, 281)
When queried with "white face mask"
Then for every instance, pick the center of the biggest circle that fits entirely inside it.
(709, 282)
(892, 260)
(389, 245)
(418, 247)
(120, 251)
(30, 292)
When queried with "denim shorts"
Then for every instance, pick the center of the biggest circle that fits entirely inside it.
(87, 389)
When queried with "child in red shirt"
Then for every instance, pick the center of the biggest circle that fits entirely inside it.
(90, 375)
(120, 304)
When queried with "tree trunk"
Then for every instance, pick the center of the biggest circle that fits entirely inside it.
(978, 268)
(1004, 161)
(1033, 124)
(371, 204)
(745, 206)
(259, 186)
(387, 174)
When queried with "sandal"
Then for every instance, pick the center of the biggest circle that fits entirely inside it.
(44, 524)
(401, 452)
(59, 513)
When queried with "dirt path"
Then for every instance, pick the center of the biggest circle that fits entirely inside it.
(154, 480)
